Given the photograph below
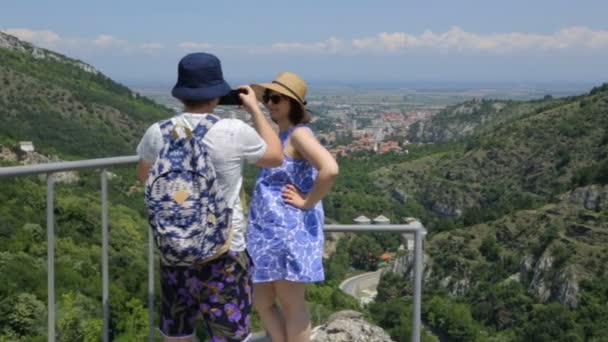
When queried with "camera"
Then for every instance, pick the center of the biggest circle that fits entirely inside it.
(232, 98)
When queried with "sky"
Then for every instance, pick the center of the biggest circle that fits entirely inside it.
(140, 42)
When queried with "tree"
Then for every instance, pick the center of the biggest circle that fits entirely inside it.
(363, 251)
(24, 314)
(552, 322)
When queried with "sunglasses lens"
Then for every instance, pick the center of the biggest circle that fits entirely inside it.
(273, 98)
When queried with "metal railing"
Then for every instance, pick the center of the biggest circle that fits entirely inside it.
(49, 169)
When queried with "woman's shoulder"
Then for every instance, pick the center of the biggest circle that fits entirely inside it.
(302, 131)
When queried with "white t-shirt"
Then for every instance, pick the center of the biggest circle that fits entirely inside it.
(229, 142)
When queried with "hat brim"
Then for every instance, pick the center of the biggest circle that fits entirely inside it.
(201, 94)
(260, 88)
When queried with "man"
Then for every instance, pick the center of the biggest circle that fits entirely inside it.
(219, 290)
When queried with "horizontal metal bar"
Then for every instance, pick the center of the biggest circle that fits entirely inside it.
(66, 166)
(376, 228)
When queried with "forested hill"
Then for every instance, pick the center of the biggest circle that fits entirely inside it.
(517, 213)
(66, 106)
(475, 117)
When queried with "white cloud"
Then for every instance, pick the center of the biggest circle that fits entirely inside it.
(108, 41)
(42, 37)
(578, 37)
(331, 45)
(575, 38)
(151, 46)
(54, 41)
(190, 46)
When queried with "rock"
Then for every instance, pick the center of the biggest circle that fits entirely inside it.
(403, 264)
(513, 277)
(579, 230)
(568, 290)
(591, 197)
(456, 287)
(539, 287)
(444, 210)
(331, 242)
(590, 217)
(349, 326)
(6, 154)
(400, 195)
(548, 285)
(68, 177)
(525, 267)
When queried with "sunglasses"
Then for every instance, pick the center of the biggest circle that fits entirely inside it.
(273, 98)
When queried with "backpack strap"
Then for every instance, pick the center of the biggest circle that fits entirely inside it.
(166, 129)
(205, 125)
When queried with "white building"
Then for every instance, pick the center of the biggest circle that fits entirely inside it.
(26, 146)
(362, 220)
(381, 219)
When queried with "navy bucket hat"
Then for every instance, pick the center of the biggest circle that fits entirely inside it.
(200, 78)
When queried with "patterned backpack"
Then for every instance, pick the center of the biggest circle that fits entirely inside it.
(190, 219)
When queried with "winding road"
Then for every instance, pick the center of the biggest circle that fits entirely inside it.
(362, 286)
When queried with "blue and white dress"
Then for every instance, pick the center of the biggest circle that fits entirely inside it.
(285, 243)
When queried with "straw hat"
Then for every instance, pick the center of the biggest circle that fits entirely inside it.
(286, 83)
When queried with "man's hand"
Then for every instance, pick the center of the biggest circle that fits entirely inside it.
(250, 102)
(293, 196)
(143, 168)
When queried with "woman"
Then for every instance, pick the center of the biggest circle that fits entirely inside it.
(285, 233)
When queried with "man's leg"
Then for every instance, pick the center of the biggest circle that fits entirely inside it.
(177, 314)
(226, 299)
(291, 297)
(264, 301)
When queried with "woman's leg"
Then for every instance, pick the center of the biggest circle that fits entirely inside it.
(291, 297)
(264, 296)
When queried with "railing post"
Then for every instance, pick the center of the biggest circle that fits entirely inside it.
(418, 267)
(104, 256)
(151, 285)
(50, 255)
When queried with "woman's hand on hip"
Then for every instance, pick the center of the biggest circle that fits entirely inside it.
(293, 196)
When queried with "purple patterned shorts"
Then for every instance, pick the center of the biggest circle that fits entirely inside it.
(219, 291)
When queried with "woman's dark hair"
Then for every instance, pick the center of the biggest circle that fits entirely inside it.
(297, 113)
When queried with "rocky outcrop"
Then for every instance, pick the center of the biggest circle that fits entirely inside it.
(6, 154)
(331, 242)
(540, 287)
(592, 197)
(31, 158)
(456, 287)
(349, 326)
(567, 292)
(551, 284)
(444, 210)
(403, 264)
(13, 43)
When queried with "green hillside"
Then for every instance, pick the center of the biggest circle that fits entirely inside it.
(70, 110)
(518, 236)
(517, 165)
(475, 116)
(67, 107)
